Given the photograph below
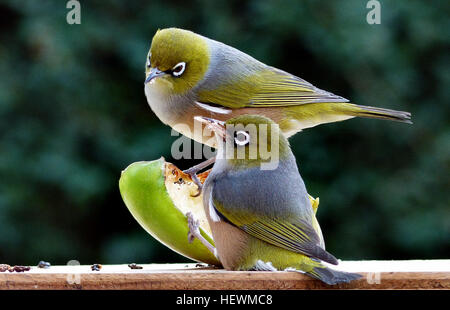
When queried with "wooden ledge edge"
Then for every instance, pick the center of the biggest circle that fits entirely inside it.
(188, 277)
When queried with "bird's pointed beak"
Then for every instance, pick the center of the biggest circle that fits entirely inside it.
(218, 127)
(154, 72)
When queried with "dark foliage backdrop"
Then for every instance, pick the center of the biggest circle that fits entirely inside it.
(73, 114)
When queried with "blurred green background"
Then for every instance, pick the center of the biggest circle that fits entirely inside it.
(73, 114)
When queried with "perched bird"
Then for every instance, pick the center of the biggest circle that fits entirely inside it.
(262, 219)
(188, 75)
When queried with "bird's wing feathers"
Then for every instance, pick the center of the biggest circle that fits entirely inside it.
(295, 235)
(266, 87)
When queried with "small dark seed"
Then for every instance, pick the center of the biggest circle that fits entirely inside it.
(19, 268)
(22, 268)
(134, 266)
(4, 267)
(96, 267)
(180, 181)
(43, 264)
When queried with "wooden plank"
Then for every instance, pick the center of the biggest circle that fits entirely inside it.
(416, 274)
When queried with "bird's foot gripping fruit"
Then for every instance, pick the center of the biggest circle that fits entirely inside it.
(159, 195)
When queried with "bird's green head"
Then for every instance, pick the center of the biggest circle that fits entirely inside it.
(249, 140)
(178, 59)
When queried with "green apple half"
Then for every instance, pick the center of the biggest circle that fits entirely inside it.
(159, 195)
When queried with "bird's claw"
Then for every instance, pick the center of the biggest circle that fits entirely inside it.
(196, 180)
(193, 225)
(192, 172)
(199, 185)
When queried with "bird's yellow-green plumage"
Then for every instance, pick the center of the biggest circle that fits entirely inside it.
(171, 47)
(250, 155)
(264, 219)
(264, 87)
(222, 82)
(279, 258)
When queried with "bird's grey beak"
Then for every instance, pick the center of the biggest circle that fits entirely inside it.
(218, 127)
(154, 72)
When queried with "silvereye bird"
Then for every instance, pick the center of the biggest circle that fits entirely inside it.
(188, 75)
(262, 219)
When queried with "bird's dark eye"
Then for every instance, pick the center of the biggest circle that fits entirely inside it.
(149, 64)
(241, 137)
(178, 69)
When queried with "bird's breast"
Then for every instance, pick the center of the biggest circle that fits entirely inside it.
(178, 111)
(160, 102)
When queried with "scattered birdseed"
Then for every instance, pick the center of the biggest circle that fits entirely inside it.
(179, 182)
(4, 267)
(43, 264)
(21, 268)
(134, 266)
(96, 267)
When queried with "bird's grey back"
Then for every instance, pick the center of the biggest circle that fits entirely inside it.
(227, 64)
(279, 193)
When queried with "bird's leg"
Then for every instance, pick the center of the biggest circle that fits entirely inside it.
(192, 172)
(194, 232)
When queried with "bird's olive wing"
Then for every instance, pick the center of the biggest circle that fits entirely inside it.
(267, 87)
(295, 235)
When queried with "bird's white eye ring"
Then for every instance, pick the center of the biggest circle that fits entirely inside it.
(242, 138)
(178, 69)
(149, 64)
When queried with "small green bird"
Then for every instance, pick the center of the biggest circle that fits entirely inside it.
(261, 219)
(190, 75)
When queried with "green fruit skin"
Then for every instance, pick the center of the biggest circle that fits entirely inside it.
(144, 193)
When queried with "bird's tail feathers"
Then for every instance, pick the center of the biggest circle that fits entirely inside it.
(331, 276)
(380, 113)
